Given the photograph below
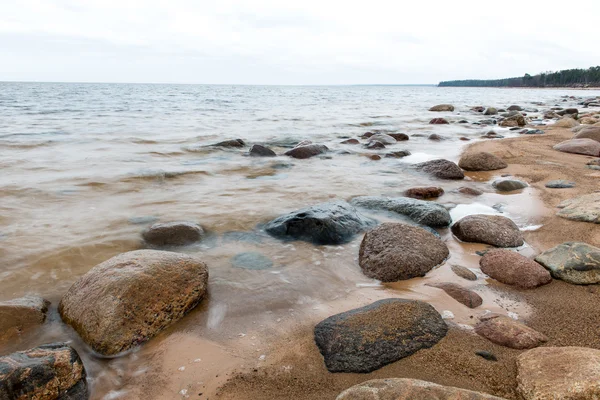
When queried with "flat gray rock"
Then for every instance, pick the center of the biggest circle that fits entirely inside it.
(560, 184)
(573, 262)
(584, 208)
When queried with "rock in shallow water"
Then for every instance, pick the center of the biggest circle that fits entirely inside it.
(367, 338)
(464, 272)
(442, 107)
(129, 298)
(439, 121)
(19, 315)
(505, 331)
(481, 161)
(421, 193)
(574, 262)
(48, 372)
(258, 150)
(409, 389)
(393, 252)
(584, 208)
(463, 295)
(307, 151)
(490, 229)
(442, 169)
(231, 143)
(508, 185)
(420, 211)
(511, 268)
(177, 233)
(327, 223)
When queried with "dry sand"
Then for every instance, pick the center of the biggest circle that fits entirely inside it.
(567, 314)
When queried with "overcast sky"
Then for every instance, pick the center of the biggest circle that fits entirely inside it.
(292, 42)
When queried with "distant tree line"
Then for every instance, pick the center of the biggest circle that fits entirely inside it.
(564, 78)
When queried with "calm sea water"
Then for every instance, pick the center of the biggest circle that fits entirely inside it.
(86, 167)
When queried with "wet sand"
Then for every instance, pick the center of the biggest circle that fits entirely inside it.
(566, 313)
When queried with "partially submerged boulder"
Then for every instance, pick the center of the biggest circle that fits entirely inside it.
(505, 331)
(439, 121)
(258, 150)
(307, 151)
(128, 299)
(481, 161)
(178, 233)
(422, 193)
(442, 107)
(511, 268)
(422, 212)
(236, 143)
(20, 315)
(490, 229)
(442, 169)
(574, 262)
(508, 185)
(370, 337)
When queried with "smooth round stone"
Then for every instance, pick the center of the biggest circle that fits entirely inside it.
(508, 185)
(560, 184)
(251, 260)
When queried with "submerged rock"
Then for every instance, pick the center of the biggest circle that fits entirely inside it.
(327, 223)
(400, 137)
(559, 373)
(258, 150)
(442, 169)
(20, 315)
(490, 229)
(481, 161)
(511, 268)
(584, 208)
(439, 121)
(464, 272)
(470, 191)
(574, 262)
(393, 252)
(374, 145)
(588, 147)
(129, 298)
(231, 143)
(429, 192)
(177, 233)
(350, 141)
(398, 154)
(442, 107)
(307, 151)
(383, 138)
(367, 338)
(515, 108)
(463, 295)
(490, 111)
(409, 389)
(508, 185)
(560, 184)
(505, 331)
(48, 372)
(251, 260)
(422, 212)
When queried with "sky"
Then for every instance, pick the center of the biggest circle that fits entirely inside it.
(308, 42)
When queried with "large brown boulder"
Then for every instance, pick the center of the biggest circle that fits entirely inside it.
(591, 132)
(178, 233)
(481, 161)
(489, 229)
(367, 338)
(409, 389)
(588, 147)
(20, 315)
(129, 298)
(442, 107)
(511, 268)
(570, 373)
(505, 331)
(48, 372)
(393, 252)
(307, 151)
(442, 169)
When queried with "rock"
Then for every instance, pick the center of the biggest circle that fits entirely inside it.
(486, 122)
(588, 147)
(478, 109)
(550, 115)
(532, 132)
(511, 268)
(508, 185)
(572, 111)
(370, 337)
(374, 145)
(48, 372)
(515, 108)
(327, 223)
(435, 137)
(366, 135)
(409, 389)
(422, 212)
(374, 157)
(489, 229)
(470, 191)
(566, 122)
(423, 193)
(231, 143)
(588, 121)
(464, 296)
(560, 184)
(464, 272)
(251, 260)
(513, 121)
(442, 169)
(393, 252)
(442, 107)
(398, 154)
(350, 141)
(490, 111)
(383, 138)
(574, 262)
(303, 143)
(20, 315)
(439, 121)
(400, 137)
(507, 332)
(486, 355)
(307, 151)
(590, 132)
(559, 373)
(128, 299)
(481, 161)
(492, 135)
(177, 233)
(463, 121)
(584, 208)
(258, 150)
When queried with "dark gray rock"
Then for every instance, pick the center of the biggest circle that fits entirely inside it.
(178, 233)
(370, 337)
(258, 150)
(486, 355)
(508, 185)
(574, 262)
(236, 143)
(398, 154)
(422, 212)
(489, 229)
(327, 223)
(307, 151)
(442, 169)
(560, 184)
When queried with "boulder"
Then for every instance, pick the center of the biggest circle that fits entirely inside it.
(496, 230)
(393, 252)
(439, 121)
(481, 161)
(591, 132)
(442, 107)
(48, 372)
(566, 122)
(435, 137)
(128, 299)
(400, 137)
(512, 268)
(470, 191)
(422, 212)
(422, 193)
(515, 108)
(20, 315)
(374, 145)
(571, 111)
(505, 331)
(398, 154)
(231, 143)
(464, 272)
(327, 223)
(442, 169)
(409, 389)
(383, 138)
(513, 120)
(350, 141)
(559, 373)
(370, 337)
(366, 135)
(307, 151)
(573, 262)
(177, 233)
(463, 295)
(508, 185)
(560, 184)
(588, 147)
(258, 150)
(584, 208)
(491, 111)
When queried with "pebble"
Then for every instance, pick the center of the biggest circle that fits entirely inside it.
(487, 355)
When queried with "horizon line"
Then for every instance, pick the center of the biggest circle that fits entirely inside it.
(225, 84)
